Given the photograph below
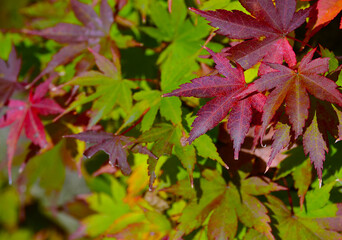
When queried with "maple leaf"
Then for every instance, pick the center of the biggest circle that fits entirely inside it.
(114, 145)
(78, 37)
(322, 14)
(24, 115)
(103, 214)
(268, 21)
(185, 37)
(298, 165)
(228, 202)
(111, 88)
(295, 226)
(281, 139)
(152, 102)
(292, 85)
(332, 223)
(223, 89)
(8, 76)
(327, 11)
(112, 216)
(164, 137)
(314, 145)
(167, 139)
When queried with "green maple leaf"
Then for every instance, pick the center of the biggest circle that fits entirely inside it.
(300, 168)
(164, 136)
(166, 140)
(171, 27)
(152, 101)
(185, 37)
(106, 207)
(228, 204)
(111, 89)
(292, 226)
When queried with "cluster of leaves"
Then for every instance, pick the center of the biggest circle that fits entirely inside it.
(128, 77)
(285, 83)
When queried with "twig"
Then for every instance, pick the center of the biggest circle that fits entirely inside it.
(135, 124)
(304, 43)
(289, 195)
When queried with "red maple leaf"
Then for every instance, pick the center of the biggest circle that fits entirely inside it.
(292, 86)
(223, 89)
(24, 115)
(327, 11)
(8, 76)
(115, 146)
(266, 29)
(321, 15)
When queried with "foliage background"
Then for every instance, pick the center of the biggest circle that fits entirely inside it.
(60, 194)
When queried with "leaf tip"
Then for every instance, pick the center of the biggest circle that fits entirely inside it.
(209, 50)
(266, 170)
(169, 3)
(28, 86)
(192, 9)
(9, 178)
(91, 50)
(191, 181)
(170, 94)
(185, 141)
(22, 166)
(9, 169)
(262, 144)
(236, 154)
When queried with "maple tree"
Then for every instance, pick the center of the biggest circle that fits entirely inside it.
(170, 119)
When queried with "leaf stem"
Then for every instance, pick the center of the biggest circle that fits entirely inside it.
(304, 43)
(289, 195)
(212, 34)
(135, 124)
(154, 81)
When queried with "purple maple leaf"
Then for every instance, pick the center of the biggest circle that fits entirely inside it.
(8, 76)
(115, 146)
(78, 37)
(223, 90)
(293, 86)
(265, 31)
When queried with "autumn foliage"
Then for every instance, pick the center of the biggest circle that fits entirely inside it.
(171, 119)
